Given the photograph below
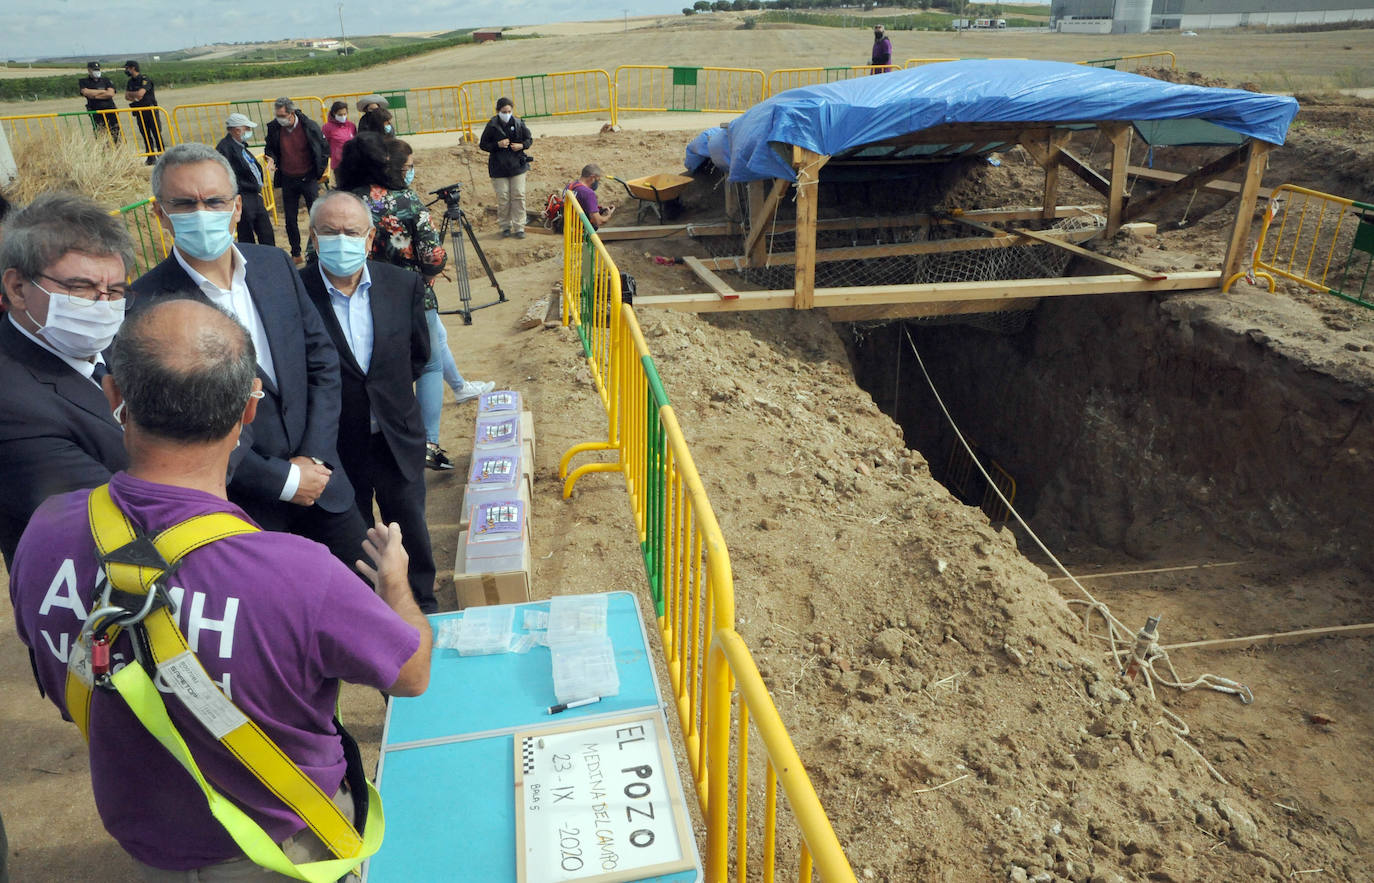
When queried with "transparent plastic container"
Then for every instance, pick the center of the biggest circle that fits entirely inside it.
(498, 401)
(584, 670)
(497, 431)
(576, 618)
(486, 630)
(494, 472)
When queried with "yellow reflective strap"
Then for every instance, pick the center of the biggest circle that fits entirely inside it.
(138, 691)
(247, 742)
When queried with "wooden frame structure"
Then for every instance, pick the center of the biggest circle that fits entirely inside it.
(1047, 144)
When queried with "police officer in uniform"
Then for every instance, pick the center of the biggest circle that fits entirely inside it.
(99, 92)
(139, 93)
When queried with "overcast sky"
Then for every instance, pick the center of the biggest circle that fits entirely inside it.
(110, 28)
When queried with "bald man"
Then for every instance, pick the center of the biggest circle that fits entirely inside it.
(274, 619)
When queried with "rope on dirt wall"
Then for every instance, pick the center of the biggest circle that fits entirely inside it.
(1120, 638)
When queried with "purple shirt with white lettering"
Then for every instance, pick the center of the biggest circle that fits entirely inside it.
(275, 620)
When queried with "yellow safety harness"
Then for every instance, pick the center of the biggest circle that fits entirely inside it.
(135, 566)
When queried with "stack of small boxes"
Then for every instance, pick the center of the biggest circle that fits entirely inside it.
(493, 562)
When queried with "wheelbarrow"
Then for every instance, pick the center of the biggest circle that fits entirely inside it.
(654, 193)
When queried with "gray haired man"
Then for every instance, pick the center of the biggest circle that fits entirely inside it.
(297, 147)
(63, 264)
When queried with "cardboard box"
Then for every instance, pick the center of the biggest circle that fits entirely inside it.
(482, 589)
(527, 432)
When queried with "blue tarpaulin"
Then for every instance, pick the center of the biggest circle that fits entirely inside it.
(834, 117)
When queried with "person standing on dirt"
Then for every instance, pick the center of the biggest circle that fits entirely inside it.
(139, 93)
(254, 225)
(882, 51)
(99, 91)
(296, 144)
(584, 189)
(507, 139)
(338, 130)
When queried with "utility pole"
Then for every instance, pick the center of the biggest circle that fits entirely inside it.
(342, 38)
(627, 20)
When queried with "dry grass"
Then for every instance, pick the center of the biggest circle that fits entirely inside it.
(113, 175)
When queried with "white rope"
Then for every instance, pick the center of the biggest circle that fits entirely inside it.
(1120, 637)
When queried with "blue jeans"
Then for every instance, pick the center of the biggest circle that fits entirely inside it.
(429, 389)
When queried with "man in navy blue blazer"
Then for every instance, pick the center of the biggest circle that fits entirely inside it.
(62, 269)
(291, 479)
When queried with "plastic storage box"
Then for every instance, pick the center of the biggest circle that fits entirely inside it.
(584, 670)
(486, 630)
(576, 618)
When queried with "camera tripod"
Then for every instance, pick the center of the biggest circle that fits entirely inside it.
(454, 225)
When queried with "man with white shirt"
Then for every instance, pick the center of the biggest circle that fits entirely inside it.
(375, 313)
(290, 479)
(63, 265)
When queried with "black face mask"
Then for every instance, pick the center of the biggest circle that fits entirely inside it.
(596, 183)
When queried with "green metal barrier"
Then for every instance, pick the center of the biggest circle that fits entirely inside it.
(140, 219)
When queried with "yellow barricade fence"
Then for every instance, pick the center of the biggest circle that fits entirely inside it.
(150, 242)
(1321, 241)
(791, 77)
(423, 111)
(563, 93)
(1139, 61)
(205, 122)
(689, 575)
(917, 62)
(130, 124)
(657, 88)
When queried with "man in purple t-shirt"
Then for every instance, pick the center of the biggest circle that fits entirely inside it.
(584, 189)
(274, 618)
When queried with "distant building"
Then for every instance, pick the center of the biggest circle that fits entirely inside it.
(1130, 16)
(486, 35)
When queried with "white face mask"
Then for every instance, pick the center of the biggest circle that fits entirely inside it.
(78, 332)
(341, 117)
(288, 122)
(505, 116)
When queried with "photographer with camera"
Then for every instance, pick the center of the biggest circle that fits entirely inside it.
(507, 139)
(380, 170)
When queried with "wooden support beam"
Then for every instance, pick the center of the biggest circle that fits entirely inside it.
(998, 239)
(1138, 207)
(1086, 172)
(1120, 135)
(717, 284)
(1047, 155)
(1224, 187)
(1238, 247)
(732, 206)
(755, 246)
(758, 192)
(808, 165)
(996, 295)
(1143, 273)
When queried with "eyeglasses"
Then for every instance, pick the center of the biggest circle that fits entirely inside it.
(179, 204)
(84, 292)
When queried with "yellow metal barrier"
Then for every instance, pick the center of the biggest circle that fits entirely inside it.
(917, 62)
(269, 193)
(123, 123)
(819, 850)
(658, 88)
(1321, 241)
(687, 565)
(1139, 61)
(791, 77)
(424, 111)
(140, 219)
(205, 122)
(564, 93)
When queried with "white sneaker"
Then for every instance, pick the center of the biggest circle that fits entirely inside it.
(471, 389)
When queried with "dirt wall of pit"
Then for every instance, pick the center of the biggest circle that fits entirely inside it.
(1140, 422)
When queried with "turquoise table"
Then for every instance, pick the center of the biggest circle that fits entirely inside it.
(447, 768)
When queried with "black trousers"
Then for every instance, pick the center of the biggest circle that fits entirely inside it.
(255, 224)
(150, 129)
(293, 190)
(399, 500)
(343, 532)
(106, 124)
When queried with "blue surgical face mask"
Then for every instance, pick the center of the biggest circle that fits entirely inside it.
(410, 177)
(341, 255)
(505, 116)
(387, 128)
(203, 235)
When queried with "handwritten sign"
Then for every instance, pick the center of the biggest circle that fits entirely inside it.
(599, 802)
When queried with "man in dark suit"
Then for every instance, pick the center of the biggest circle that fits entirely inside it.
(63, 263)
(289, 480)
(255, 225)
(375, 314)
